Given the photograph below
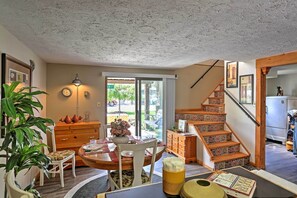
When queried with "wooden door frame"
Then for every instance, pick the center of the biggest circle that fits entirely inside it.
(263, 65)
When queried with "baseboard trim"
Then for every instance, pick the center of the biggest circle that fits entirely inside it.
(204, 165)
(253, 164)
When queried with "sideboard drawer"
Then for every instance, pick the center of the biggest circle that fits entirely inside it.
(84, 126)
(73, 136)
(175, 138)
(175, 146)
(64, 141)
(84, 138)
(62, 128)
(83, 131)
(62, 132)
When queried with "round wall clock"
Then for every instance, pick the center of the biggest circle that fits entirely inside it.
(66, 92)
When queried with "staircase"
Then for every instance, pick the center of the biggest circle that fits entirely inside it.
(218, 146)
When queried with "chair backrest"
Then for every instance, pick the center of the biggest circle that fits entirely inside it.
(13, 190)
(50, 140)
(139, 152)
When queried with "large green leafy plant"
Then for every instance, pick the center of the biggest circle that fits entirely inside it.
(22, 142)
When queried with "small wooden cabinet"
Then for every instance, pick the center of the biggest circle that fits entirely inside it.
(73, 136)
(182, 145)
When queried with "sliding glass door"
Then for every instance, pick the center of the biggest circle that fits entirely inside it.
(149, 107)
(120, 102)
(138, 101)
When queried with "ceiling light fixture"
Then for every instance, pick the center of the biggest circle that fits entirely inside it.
(76, 81)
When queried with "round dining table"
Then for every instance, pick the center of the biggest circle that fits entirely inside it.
(106, 157)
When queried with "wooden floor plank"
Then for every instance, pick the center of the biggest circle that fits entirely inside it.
(281, 162)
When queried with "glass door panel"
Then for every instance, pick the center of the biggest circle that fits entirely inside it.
(121, 102)
(150, 96)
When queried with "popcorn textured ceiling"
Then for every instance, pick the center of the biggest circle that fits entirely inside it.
(151, 33)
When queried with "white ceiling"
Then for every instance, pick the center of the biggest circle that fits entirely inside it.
(151, 33)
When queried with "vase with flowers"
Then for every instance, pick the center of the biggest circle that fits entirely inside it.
(120, 131)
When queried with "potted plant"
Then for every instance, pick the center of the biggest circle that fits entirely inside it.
(22, 142)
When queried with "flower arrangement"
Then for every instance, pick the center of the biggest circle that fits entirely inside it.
(120, 128)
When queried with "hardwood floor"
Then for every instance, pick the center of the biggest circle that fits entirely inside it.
(281, 162)
(278, 161)
(52, 187)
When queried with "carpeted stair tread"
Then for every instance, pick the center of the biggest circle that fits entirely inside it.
(228, 157)
(200, 112)
(215, 133)
(203, 122)
(222, 144)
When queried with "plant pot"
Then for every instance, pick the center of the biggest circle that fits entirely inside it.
(120, 140)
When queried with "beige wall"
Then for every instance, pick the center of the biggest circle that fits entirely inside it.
(60, 76)
(187, 98)
(12, 46)
(236, 118)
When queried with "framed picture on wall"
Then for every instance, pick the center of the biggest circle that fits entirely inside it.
(246, 89)
(182, 125)
(14, 70)
(232, 75)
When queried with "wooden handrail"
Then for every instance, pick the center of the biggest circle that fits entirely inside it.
(203, 141)
(205, 73)
(243, 108)
(237, 138)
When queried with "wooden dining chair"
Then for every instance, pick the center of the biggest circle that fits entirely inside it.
(127, 178)
(59, 160)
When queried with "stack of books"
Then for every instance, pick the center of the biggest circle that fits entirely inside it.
(234, 185)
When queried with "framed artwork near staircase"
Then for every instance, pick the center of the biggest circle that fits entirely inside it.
(232, 75)
(246, 89)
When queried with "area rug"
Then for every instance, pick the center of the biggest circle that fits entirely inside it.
(97, 184)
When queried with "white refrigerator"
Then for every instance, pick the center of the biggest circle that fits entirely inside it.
(277, 108)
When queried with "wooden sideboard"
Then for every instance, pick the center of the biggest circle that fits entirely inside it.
(182, 145)
(73, 136)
